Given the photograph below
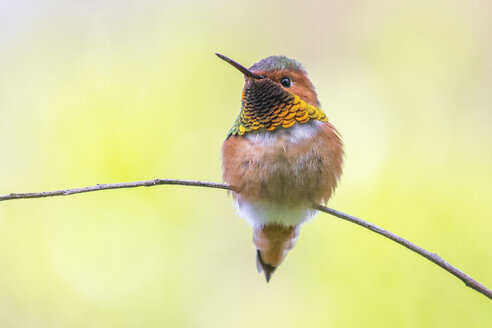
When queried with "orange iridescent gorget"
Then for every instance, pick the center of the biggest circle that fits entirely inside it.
(266, 105)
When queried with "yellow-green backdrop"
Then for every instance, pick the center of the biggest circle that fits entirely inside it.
(112, 91)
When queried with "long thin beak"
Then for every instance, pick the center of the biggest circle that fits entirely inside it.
(240, 67)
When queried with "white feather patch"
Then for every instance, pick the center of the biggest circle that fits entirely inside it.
(295, 134)
(258, 214)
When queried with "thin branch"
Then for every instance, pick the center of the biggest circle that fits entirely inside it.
(470, 282)
(433, 257)
(106, 186)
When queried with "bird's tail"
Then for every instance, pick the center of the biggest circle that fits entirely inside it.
(273, 242)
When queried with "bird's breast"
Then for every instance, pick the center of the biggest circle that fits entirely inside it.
(289, 166)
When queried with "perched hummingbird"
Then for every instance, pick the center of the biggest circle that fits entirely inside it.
(281, 156)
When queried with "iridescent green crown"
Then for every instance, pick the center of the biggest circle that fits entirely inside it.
(277, 63)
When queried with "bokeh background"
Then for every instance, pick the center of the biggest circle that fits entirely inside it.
(113, 91)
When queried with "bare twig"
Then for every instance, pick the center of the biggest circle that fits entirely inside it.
(470, 282)
(106, 186)
(433, 257)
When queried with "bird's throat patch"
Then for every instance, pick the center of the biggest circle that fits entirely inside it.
(266, 105)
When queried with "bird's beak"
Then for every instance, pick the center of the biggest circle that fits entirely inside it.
(240, 67)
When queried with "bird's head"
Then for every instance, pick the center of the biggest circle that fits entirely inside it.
(277, 93)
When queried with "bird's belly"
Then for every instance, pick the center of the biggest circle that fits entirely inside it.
(259, 213)
(279, 175)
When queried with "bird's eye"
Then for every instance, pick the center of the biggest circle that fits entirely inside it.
(286, 82)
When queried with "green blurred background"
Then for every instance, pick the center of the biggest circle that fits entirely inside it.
(113, 91)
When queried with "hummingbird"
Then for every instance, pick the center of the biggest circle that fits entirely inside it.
(280, 157)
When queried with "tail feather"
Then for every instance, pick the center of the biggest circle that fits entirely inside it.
(263, 267)
(273, 242)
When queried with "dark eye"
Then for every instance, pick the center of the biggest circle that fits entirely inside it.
(286, 82)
